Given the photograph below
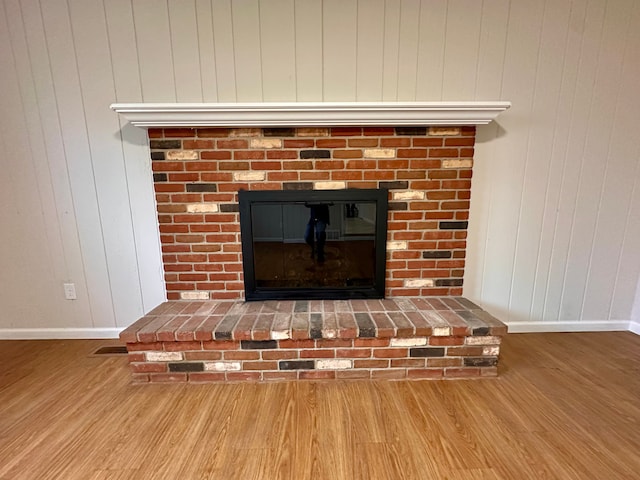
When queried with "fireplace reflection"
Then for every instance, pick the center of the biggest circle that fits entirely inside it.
(311, 245)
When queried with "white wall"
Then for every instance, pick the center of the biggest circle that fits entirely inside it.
(555, 218)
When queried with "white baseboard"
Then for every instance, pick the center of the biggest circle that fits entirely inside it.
(578, 326)
(57, 333)
(634, 327)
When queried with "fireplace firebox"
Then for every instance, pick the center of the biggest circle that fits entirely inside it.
(322, 244)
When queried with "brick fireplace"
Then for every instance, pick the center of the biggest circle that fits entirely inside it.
(206, 332)
(198, 172)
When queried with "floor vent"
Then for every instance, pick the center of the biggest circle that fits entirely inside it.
(111, 350)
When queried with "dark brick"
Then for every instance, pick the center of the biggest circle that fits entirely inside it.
(480, 331)
(398, 206)
(449, 282)
(157, 156)
(366, 327)
(436, 254)
(315, 154)
(202, 187)
(258, 344)
(164, 144)
(454, 225)
(301, 306)
(467, 303)
(315, 329)
(480, 361)
(426, 352)
(159, 177)
(224, 329)
(411, 130)
(279, 132)
(296, 365)
(229, 207)
(186, 367)
(397, 185)
(297, 186)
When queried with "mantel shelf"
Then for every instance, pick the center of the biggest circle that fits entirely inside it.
(309, 114)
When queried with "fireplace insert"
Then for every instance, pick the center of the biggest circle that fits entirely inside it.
(313, 244)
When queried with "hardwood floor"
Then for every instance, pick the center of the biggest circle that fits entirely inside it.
(565, 406)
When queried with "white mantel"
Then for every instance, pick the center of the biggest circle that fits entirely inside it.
(309, 114)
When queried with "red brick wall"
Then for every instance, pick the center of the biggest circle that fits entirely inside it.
(198, 172)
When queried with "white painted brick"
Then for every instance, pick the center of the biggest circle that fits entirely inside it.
(397, 245)
(163, 356)
(404, 304)
(408, 342)
(265, 143)
(379, 152)
(182, 155)
(249, 176)
(444, 131)
(194, 295)
(222, 366)
(492, 351)
(329, 185)
(418, 282)
(329, 333)
(334, 364)
(313, 132)
(409, 195)
(479, 340)
(441, 331)
(464, 163)
(202, 207)
(245, 132)
(280, 335)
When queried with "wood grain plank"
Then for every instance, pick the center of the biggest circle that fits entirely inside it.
(91, 423)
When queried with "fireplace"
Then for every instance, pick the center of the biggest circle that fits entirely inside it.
(327, 244)
(350, 225)
(424, 172)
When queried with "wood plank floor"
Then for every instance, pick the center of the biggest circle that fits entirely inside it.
(565, 406)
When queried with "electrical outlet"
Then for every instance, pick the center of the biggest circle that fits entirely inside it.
(70, 291)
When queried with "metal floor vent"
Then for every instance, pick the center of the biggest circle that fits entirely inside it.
(111, 350)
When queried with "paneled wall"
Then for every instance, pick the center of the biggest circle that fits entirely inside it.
(555, 216)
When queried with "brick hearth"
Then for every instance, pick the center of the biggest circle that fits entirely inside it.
(401, 338)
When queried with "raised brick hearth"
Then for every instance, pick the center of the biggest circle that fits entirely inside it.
(401, 338)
